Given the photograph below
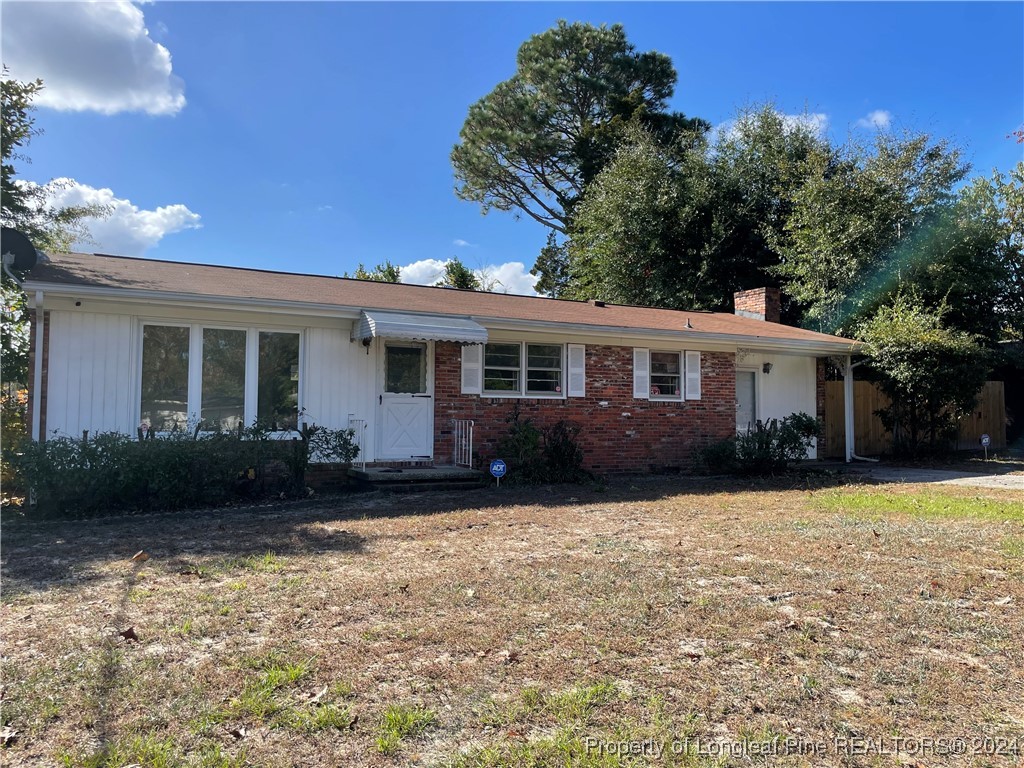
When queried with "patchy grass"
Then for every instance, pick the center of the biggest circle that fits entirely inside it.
(400, 721)
(525, 627)
(923, 504)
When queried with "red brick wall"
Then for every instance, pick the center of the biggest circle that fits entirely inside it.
(766, 302)
(627, 436)
(32, 371)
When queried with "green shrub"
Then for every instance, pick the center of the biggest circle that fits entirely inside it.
(112, 471)
(552, 455)
(931, 373)
(768, 447)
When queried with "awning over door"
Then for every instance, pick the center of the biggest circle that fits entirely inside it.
(396, 325)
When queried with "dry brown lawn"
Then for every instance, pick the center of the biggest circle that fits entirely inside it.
(526, 627)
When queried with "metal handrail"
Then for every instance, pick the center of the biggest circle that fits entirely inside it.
(463, 450)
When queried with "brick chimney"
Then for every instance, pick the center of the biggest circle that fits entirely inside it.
(760, 304)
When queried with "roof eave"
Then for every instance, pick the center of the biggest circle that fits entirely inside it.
(763, 343)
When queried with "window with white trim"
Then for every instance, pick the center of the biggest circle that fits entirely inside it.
(666, 375)
(224, 377)
(524, 369)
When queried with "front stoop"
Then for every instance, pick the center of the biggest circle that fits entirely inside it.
(410, 479)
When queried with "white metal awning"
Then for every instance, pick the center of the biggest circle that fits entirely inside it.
(396, 325)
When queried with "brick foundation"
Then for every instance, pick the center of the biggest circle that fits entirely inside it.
(626, 436)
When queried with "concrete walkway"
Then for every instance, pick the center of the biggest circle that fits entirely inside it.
(887, 474)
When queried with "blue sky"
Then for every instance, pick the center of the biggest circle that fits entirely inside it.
(313, 136)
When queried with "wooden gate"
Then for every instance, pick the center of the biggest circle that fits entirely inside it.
(871, 439)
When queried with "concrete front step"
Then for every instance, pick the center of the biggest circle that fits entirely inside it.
(406, 479)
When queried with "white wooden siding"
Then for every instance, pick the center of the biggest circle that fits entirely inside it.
(89, 377)
(340, 379)
(789, 388)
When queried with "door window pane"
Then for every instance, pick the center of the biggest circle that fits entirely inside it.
(223, 378)
(278, 390)
(405, 369)
(543, 368)
(164, 377)
(665, 374)
(501, 367)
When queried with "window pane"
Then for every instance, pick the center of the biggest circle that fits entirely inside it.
(405, 369)
(501, 367)
(164, 377)
(544, 356)
(223, 378)
(277, 397)
(665, 362)
(665, 378)
(501, 355)
(544, 368)
(497, 380)
(544, 381)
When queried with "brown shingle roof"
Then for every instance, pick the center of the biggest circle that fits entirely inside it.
(207, 281)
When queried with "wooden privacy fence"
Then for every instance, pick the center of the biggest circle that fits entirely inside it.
(871, 439)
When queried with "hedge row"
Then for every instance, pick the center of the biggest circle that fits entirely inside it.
(115, 472)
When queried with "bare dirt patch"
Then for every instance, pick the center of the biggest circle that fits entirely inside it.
(499, 628)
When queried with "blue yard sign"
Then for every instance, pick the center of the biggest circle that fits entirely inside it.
(498, 469)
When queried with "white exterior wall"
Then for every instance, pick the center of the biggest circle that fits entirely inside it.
(340, 380)
(94, 368)
(789, 388)
(89, 376)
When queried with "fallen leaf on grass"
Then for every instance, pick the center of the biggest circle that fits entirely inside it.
(129, 635)
(314, 699)
(1004, 600)
(237, 733)
(141, 556)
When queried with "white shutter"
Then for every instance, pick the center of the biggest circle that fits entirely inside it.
(641, 373)
(692, 375)
(577, 370)
(472, 368)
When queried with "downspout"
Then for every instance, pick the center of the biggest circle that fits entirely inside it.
(848, 411)
(37, 377)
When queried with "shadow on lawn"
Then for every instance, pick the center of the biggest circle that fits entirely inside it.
(76, 553)
(71, 554)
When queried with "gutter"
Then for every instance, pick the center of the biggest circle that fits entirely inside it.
(848, 411)
(766, 343)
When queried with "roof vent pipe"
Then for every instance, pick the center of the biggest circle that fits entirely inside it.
(596, 303)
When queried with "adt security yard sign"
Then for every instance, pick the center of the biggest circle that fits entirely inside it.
(985, 441)
(498, 469)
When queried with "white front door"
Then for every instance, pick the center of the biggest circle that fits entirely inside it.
(406, 404)
(746, 400)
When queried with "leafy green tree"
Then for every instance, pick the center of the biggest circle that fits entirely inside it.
(382, 273)
(867, 222)
(458, 275)
(998, 202)
(640, 235)
(25, 207)
(687, 227)
(534, 143)
(931, 373)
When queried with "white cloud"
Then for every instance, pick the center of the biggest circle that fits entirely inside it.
(129, 230)
(463, 244)
(879, 118)
(94, 56)
(510, 277)
(424, 272)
